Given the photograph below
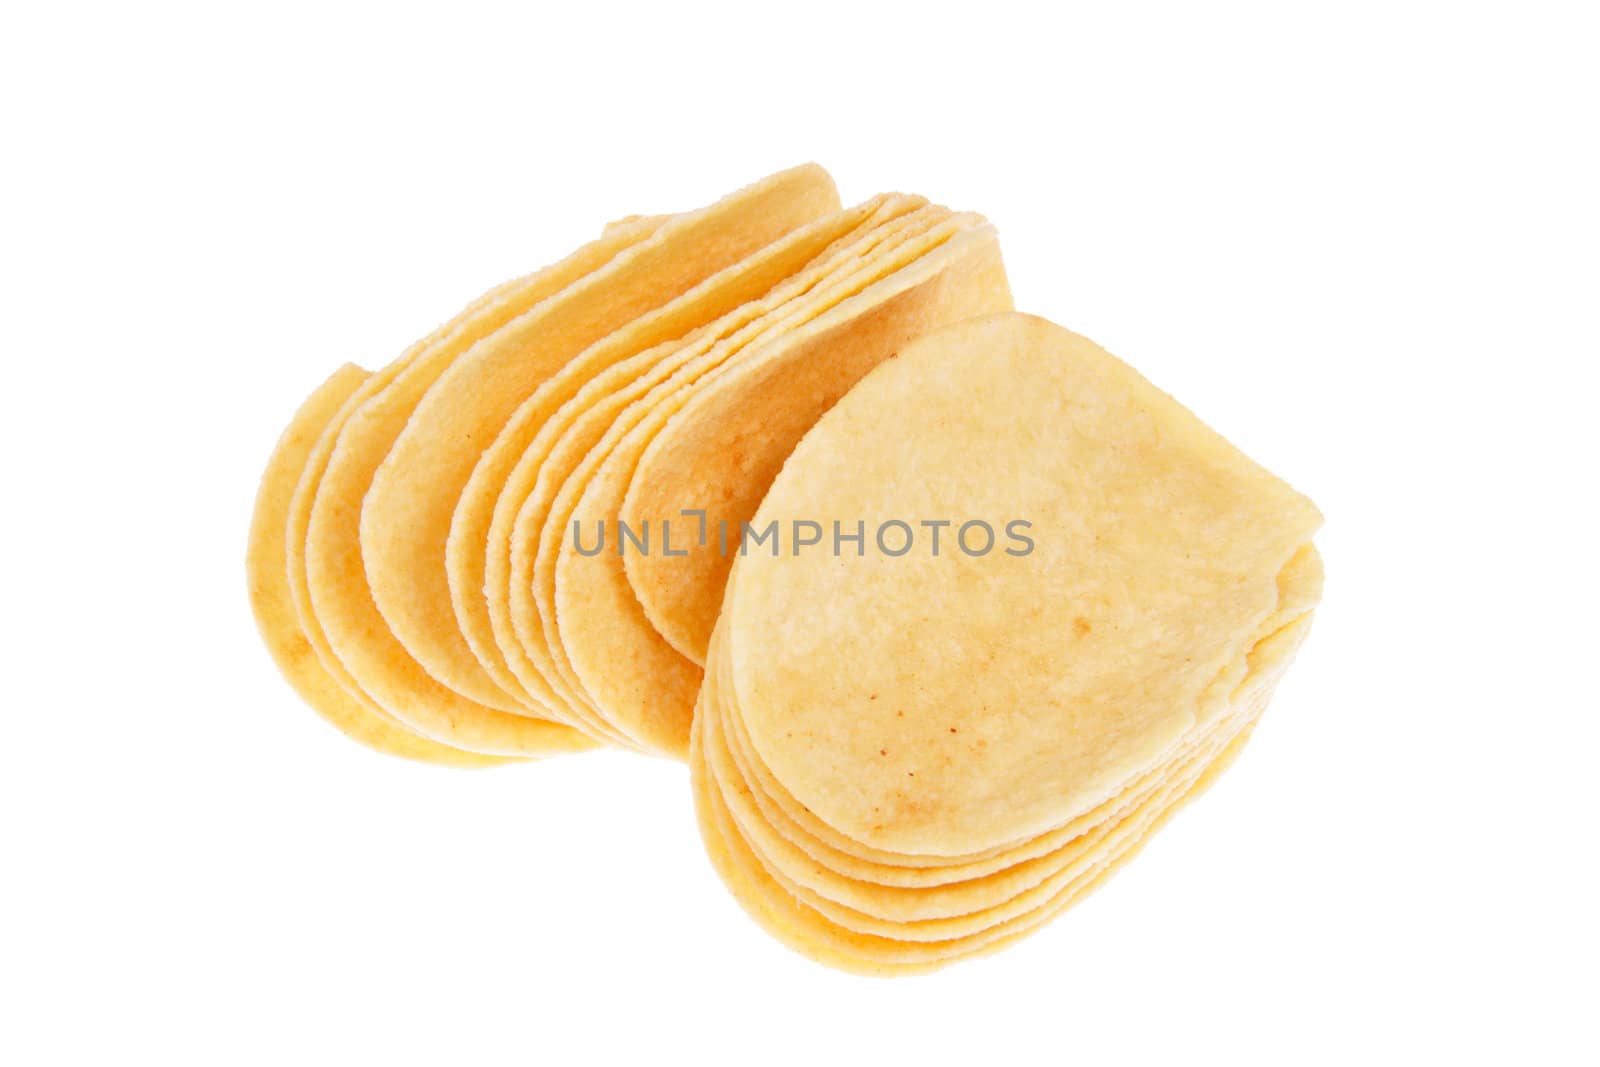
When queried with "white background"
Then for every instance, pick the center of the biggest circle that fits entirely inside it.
(1363, 243)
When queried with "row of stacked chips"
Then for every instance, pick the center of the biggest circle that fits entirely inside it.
(411, 562)
(899, 759)
(905, 759)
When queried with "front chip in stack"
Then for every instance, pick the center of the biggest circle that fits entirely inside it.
(903, 758)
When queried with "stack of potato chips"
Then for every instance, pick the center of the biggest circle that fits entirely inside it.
(905, 758)
(559, 520)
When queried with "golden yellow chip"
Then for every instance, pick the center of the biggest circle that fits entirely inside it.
(504, 473)
(776, 906)
(977, 892)
(555, 469)
(989, 693)
(440, 434)
(628, 673)
(720, 452)
(270, 599)
(904, 756)
(326, 575)
(1299, 588)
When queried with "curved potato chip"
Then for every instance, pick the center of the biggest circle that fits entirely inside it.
(266, 565)
(720, 452)
(631, 677)
(407, 511)
(559, 462)
(505, 470)
(326, 575)
(967, 909)
(943, 705)
(483, 315)
(990, 890)
(806, 930)
(1299, 588)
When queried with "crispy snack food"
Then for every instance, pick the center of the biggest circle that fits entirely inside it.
(605, 317)
(270, 599)
(948, 610)
(327, 575)
(797, 360)
(901, 760)
(478, 549)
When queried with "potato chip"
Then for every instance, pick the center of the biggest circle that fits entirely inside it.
(720, 452)
(902, 759)
(1009, 690)
(1299, 588)
(973, 891)
(334, 602)
(608, 292)
(406, 515)
(505, 470)
(273, 605)
(629, 675)
(807, 930)
(555, 468)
